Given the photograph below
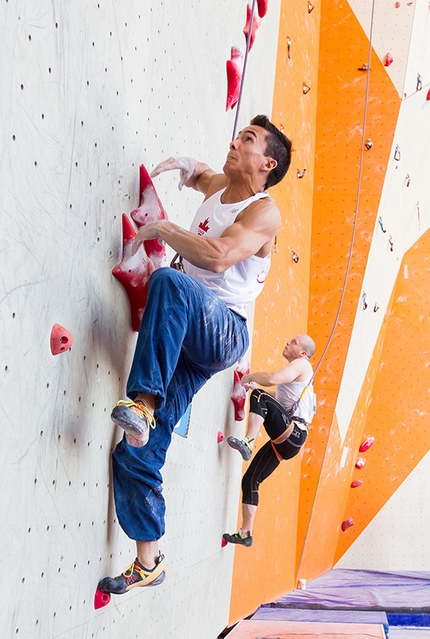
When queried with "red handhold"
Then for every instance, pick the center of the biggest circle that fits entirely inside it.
(242, 367)
(150, 210)
(61, 340)
(224, 543)
(256, 21)
(388, 60)
(397, 5)
(347, 524)
(101, 599)
(133, 272)
(238, 397)
(366, 444)
(356, 483)
(234, 77)
(220, 437)
(262, 7)
(428, 95)
(360, 462)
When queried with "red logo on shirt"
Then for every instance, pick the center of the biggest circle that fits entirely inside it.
(203, 227)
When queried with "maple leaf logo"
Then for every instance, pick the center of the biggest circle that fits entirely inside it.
(203, 227)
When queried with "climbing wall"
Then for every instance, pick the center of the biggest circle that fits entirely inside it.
(372, 381)
(90, 91)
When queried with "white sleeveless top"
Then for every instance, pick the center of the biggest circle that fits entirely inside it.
(288, 394)
(243, 282)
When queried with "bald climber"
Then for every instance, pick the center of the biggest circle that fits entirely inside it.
(285, 417)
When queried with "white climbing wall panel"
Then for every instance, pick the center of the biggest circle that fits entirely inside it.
(90, 90)
(396, 538)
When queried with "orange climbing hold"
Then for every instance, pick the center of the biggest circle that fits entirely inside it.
(61, 340)
(101, 599)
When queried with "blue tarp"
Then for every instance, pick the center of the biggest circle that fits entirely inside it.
(348, 589)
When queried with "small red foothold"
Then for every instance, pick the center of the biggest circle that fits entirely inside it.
(388, 60)
(61, 340)
(360, 462)
(101, 599)
(356, 483)
(220, 437)
(397, 5)
(223, 543)
(366, 444)
(347, 523)
(428, 95)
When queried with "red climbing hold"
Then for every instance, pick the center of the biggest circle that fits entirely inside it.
(224, 543)
(133, 272)
(234, 77)
(356, 483)
(366, 444)
(150, 210)
(101, 599)
(256, 21)
(238, 397)
(220, 437)
(262, 7)
(61, 340)
(347, 524)
(428, 95)
(360, 462)
(388, 60)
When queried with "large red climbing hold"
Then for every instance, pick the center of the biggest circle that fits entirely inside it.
(366, 444)
(262, 7)
(133, 272)
(61, 340)
(347, 524)
(150, 210)
(101, 599)
(238, 397)
(256, 21)
(234, 77)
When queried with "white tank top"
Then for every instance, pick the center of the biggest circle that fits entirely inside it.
(243, 282)
(288, 394)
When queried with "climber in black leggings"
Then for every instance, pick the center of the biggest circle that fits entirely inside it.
(287, 431)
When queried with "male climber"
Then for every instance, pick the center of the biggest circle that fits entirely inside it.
(194, 324)
(287, 430)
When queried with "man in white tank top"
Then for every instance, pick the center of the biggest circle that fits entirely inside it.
(194, 324)
(285, 419)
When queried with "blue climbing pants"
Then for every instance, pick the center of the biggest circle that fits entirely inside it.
(187, 334)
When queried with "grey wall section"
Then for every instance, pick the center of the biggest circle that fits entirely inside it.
(89, 91)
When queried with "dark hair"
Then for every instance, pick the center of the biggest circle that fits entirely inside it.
(278, 147)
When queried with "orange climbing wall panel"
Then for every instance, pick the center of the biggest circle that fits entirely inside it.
(341, 102)
(282, 309)
(398, 413)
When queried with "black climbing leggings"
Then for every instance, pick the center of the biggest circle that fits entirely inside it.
(266, 461)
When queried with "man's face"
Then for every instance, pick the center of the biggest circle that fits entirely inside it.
(246, 154)
(293, 348)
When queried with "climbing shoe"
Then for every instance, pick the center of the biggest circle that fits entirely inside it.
(134, 418)
(242, 445)
(237, 538)
(134, 576)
